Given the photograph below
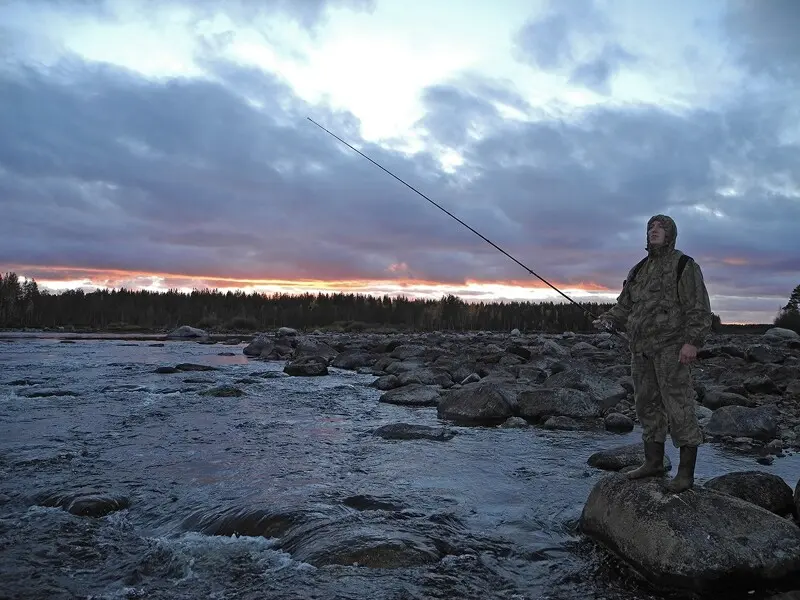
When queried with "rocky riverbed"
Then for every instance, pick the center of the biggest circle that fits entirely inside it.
(748, 387)
(748, 399)
(479, 465)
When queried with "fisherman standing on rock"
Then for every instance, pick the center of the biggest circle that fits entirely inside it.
(665, 309)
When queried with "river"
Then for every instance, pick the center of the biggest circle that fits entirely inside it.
(93, 416)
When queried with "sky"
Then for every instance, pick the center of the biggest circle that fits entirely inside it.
(158, 145)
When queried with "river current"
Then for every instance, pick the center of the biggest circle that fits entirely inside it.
(93, 417)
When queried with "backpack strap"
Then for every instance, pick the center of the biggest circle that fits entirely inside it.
(634, 270)
(682, 262)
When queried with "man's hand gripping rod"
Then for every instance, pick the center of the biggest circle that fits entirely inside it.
(606, 325)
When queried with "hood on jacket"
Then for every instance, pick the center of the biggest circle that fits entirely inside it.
(670, 231)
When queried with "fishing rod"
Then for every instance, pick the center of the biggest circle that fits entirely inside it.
(448, 213)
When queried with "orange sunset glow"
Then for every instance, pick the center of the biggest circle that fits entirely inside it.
(60, 278)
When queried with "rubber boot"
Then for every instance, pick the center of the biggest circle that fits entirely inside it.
(653, 462)
(684, 480)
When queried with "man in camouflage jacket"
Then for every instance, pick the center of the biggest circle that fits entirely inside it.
(667, 319)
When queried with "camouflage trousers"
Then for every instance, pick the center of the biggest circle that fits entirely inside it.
(664, 395)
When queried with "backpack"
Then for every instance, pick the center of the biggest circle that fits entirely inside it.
(685, 258)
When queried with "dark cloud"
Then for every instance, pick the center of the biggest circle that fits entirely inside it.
(547, 41)
(766, 35)
(225, 177)
(573, 37)
(596, 74)
(307, 13)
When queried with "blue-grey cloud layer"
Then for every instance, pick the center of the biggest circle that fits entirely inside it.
(103, 168)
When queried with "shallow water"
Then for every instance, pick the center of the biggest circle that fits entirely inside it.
(502, 505)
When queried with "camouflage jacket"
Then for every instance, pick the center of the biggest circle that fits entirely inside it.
(657, 310)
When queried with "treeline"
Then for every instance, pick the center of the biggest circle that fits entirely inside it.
(23, 305)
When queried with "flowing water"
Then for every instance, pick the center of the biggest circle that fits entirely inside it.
(491, 513)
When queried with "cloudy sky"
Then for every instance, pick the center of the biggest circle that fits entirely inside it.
(166, 144)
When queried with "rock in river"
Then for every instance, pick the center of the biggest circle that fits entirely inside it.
(699, 540)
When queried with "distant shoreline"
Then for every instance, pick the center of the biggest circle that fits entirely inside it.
(246, 336)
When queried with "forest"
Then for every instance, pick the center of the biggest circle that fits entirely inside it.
(23, 305)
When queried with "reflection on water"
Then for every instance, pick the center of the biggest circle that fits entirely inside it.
(488, 514)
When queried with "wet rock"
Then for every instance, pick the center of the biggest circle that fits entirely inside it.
(797, 499)
(716, 350)
(358, 544)
(618, 423)
(47, 393)
(406, 351)
(413, 394)
(563, 423)
(307, 366)
(305, 346)
(471, 378)
(23, 382)
(96, 505)
(531, 373)
(514, 423)
(762, 489)
(223, 391)
(194, 367)
(622, 458)
(738, 421)
(259, 345)
(396, 367)
(582, 348)
(703, 414)
(285, 332)
(482, 403)
(386, 382)
(539, 404)
(775, 447)
(567, 378)
(354, 359)
(761, 384)
(186, 332)
(551, 348)
(763, 353)
(427, 376)
(85, 504)
(363, 502)
(715, 399)
(795, 595)
(253, 522)
(700, 540)
(792, 390)
(780, 334)
(519, 350)
(409, 431)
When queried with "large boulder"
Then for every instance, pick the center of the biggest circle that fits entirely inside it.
(763, 489)
(307, 366)
(413, 394)
(185, 332)
(699, 540)
(781, 333)
(542, 403)
(482, 403)
(739, 421)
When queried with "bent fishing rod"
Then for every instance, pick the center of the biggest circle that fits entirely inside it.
(448, 213)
